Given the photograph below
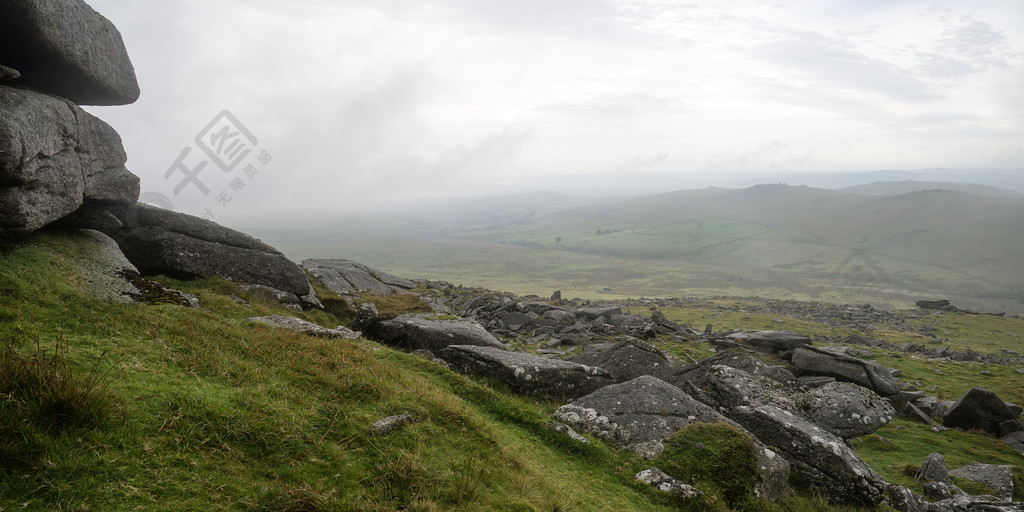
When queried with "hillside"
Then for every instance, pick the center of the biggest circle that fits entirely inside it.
(895, 188)
(773, 240)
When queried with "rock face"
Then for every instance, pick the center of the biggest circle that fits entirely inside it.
(54, 157)
(102, 266)
(630, 359)
(822, 459)
(528, 374)
(851, 369)
(160, 241)
(982, 409)
(66, 48)
(350, 278)
(845, 409)
(302, 326)
(431, 332)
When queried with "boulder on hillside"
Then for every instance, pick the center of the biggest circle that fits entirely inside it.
(546, 379)
(641, 414)
(997, 478)
(845, 409)
(822, 459)
(346, 277)
(595, 312)
(161, 241)
(982, 409)
(725, 387)
(696, 373)
(933, 469)
(772, 342)
(628, 360)
(66, 48)
(846, 368)
(55, 157)
(290, 323)
(431, 332)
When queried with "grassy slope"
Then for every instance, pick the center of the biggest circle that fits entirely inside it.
(214, 414)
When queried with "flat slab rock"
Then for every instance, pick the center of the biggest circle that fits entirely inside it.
(165, 242)
(851, 369)
(305, 327)
(431, 332)
(540, 377)
(997, 478)
(66, 48)
(347, 277)
(773, 342)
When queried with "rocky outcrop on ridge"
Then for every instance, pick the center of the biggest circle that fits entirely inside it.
(348, 278)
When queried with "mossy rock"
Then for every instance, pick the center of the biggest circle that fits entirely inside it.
(712, 455)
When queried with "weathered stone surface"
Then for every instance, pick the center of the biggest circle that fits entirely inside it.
(161, 241)
(54, 157)
(851, 369)
(431, 332)
(937, 491)
(350, 278)
(637, 415)
(1014, 440)
(595, 312)
(532, 375)
(904, 500)
(979, 409)
(630, 359)
(269, 293)
(309, 328)
(66, 48)
(997, 478)
(933, 469)
(729, 387)
(385, 426)
(102, 266)
(822, 459)
(697, 373)
(845, 409)
(562, 428)
(774, 342)
(660, 480)
(7, 73)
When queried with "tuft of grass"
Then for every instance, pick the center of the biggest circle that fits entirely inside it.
(47, 391)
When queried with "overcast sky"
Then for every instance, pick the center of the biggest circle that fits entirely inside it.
(360, 103)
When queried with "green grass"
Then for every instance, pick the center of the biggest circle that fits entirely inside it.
(204, 411)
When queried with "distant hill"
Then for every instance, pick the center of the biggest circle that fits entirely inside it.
(895, 188)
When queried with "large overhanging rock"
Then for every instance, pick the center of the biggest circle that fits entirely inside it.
(66, 48)
(540, 377)
(432, 332)
(54, 157)
(641, 414)
(161, 241)
(822, 459)
(851, 369)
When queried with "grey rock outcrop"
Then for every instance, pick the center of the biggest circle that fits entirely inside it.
(299, 325)
(346, 277)
(55, 157)
(851, 369)
(641, 414)
(630, 359)
(161, 241)
(822, 459)
(982, 409)
(637, 415)
(431, 332)
(845, 409)
(66, 48)
(697, 372)
(547, 379)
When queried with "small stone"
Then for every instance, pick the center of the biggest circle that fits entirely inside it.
(568, 431)
(657, 478)
(385, 426)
